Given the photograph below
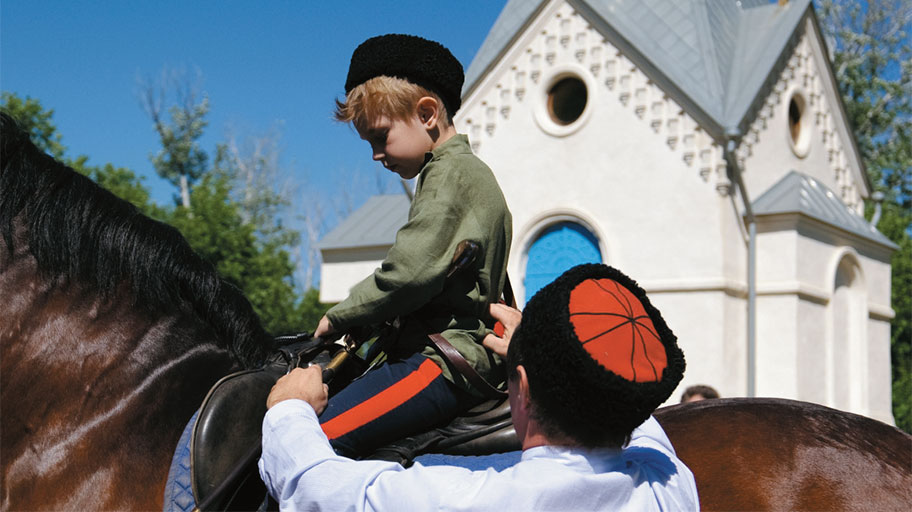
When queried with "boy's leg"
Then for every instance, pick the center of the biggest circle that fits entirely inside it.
(397, 399)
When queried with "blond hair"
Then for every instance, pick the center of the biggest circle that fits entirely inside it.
(395, 98)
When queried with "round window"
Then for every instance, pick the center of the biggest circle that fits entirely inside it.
(798, 129)
(567, 100)
(796, 108)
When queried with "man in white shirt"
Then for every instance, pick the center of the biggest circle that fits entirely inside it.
(589, 362)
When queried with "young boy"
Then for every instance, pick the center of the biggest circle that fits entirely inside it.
(401, 94)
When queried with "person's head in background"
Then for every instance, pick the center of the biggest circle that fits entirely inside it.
(698, 392)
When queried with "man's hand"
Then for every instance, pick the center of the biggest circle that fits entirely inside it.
(324, 328)
(510, 318)
(304, 384)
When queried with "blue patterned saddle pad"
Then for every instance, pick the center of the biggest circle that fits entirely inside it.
(178, 489)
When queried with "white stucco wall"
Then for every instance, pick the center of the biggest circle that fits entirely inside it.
(343, 268)
(652, 187)
(803, 349)
(711, 333)
(612, 169)
(879, 396)
(824, 149)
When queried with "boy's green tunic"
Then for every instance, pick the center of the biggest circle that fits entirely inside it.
(457, 198)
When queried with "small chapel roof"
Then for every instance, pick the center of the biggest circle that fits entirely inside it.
(802, 194)
(717, 54)
(373, 224)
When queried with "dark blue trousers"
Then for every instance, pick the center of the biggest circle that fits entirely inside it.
(397, 399)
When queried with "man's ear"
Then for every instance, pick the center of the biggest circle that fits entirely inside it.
(523, 386)
(428, 110)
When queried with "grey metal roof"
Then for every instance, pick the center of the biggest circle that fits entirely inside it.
(374, 224)
(715, 56)
(799, 193)
(506, 28)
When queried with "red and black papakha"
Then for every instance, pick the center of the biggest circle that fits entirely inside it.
(599, 357)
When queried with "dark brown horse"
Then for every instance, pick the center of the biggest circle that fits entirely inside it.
(774, 454)
(111, 332)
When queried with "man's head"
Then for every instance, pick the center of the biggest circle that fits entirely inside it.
(598, 356)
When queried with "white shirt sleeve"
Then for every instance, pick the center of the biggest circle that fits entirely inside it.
(651, 454)
(302, 472)
(294, 444)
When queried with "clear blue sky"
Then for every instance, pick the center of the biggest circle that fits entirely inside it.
(262, 63)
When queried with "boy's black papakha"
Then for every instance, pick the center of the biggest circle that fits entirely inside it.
(418, 60)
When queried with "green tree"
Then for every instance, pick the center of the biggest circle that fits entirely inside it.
(261, 268)
(263, 197)
(872, 55)
(232, 214)
(246, 241)
(258, 189)
(38, 121)
(181, 160)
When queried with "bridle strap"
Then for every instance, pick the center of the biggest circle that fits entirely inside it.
(452, 355)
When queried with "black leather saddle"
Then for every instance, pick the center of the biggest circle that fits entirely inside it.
(226, 440)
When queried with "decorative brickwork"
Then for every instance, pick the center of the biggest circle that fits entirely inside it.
(567, 36)
(801, 73)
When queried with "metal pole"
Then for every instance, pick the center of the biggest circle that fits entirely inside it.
(732, 160)
(752, 311)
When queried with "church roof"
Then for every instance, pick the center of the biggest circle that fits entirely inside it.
(373, 224)
(799, 193)
(715, 56)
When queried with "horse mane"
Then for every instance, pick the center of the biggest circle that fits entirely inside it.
(78, 230)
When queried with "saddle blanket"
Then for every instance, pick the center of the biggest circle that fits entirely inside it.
(178, 489)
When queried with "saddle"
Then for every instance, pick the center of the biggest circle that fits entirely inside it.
(226, 439)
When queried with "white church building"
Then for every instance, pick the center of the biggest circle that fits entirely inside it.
(701, 147)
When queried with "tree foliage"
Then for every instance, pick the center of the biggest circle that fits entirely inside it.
(237, 228)
(230, 212)
(260, 267)
(180, 160)
(871, 50)
(38, 121)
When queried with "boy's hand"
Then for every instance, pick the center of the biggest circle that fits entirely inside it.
(324, 328)
(303, 384)
(510, 318)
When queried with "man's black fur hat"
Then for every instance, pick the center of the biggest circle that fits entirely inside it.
(599, 357)
(418, 60)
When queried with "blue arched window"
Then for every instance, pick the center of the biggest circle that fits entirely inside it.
(560, 247)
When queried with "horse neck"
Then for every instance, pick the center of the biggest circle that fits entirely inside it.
(81, 370)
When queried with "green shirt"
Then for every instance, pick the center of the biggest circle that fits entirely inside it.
(457, 198)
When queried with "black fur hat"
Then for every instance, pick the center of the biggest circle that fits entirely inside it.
(599, 357)
(418, 60)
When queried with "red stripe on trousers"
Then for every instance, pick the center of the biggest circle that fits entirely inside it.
(383, 402)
